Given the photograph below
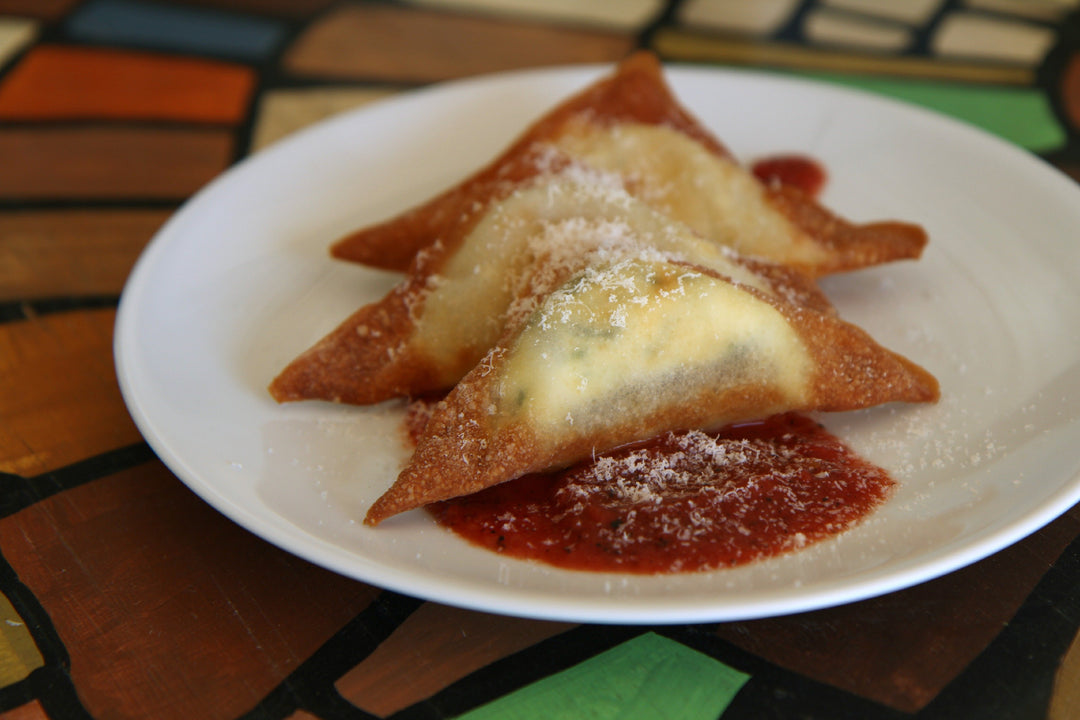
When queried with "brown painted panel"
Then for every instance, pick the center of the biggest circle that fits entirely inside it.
(110, 162)
(59, 398)
(59, 81)
(405, 45)
(43, 9)
(196, 617)
(71, 252)
(902, 649)
(1070, 91)
(435, 647)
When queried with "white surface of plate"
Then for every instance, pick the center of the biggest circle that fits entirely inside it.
(239, 282)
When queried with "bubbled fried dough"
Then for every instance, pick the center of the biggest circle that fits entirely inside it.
(635, 92)
(363, 361)
(630, 123)
(632, 350)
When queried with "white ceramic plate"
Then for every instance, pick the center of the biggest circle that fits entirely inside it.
(239, 282)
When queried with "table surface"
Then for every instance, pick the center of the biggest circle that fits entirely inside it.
(124, 595)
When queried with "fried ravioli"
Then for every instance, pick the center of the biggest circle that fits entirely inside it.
(458, 297)
(628, 349)
(631, 124)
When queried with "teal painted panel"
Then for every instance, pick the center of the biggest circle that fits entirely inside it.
(176, 28)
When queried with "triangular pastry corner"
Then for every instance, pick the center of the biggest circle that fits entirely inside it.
(624, 352)
(630, 123)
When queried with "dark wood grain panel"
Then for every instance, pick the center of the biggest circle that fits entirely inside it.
(902, 649)
(166, 608)
(435, 647)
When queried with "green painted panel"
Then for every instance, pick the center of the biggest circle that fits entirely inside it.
(647, 678)
(1021, 115)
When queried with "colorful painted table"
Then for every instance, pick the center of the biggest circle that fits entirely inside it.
(123, 595)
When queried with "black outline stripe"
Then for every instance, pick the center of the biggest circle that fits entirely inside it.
(17, 205)
(20, 493)
(1013, 678)
(779, 693)
(520, 669)
(49, 685)
(1030, 647)
(1050, 79)
(311, 686)
(773, 691)
(18, 310)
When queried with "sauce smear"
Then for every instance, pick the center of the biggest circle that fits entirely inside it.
(796, 171)
(679, 503)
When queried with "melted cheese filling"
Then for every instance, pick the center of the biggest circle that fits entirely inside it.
(629, 337)
(527, 244)
(712, 195)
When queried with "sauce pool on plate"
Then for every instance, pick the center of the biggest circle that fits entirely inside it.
(683, 502)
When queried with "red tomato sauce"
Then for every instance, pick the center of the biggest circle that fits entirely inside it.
(797, 171)
(680, 503)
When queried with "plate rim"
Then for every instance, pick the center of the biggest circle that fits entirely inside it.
(601, 609)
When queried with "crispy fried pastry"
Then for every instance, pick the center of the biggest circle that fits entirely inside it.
(627, 349)
(459, 296)
(631, 124)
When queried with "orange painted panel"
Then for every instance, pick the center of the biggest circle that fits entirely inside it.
(59, 398)
(57, 81)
